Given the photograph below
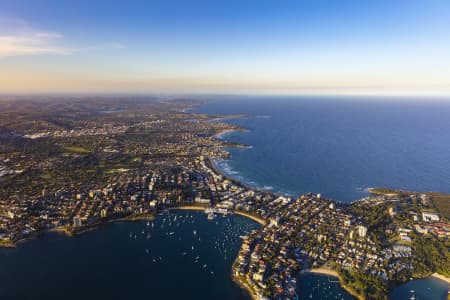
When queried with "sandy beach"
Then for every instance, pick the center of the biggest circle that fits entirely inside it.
(221, 134)
(441, 277)
(256, 219)
(187, 207)
(326, 271)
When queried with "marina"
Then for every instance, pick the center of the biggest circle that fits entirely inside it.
(131, 260)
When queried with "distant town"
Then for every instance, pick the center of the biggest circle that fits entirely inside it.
(71, 164)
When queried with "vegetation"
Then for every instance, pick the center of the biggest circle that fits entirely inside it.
(76, 149)
(376, 220)
(431, 255)
(442, 204)
(368, 286)
(440, 201)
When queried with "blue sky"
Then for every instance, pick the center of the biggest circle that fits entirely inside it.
(286, 47)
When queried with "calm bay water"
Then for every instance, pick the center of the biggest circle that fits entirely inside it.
(109, 264)
(317, 286)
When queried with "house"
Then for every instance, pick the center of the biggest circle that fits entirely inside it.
(430, 216)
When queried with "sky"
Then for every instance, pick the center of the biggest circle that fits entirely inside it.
(227, 47)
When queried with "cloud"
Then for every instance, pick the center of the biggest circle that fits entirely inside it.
(18, 37)
(31, 43)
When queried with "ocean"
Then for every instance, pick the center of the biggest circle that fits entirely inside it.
(338, 147)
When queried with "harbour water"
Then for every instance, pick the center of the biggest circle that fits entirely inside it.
(336, 148)
(317, 286)
(424, 289)
(182, 256)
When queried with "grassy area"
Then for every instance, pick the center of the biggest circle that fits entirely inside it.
(442, 204)
(441, 201)
(384, 191)
(76, 149)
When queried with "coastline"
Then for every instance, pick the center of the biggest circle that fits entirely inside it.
(441, 277)
(254, 218)
(213, 165)
(244, 287)
(241, 282)
(221, 134)
(188, 207)
(329, 272)
(67, 232)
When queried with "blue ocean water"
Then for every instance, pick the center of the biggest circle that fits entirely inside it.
(338, 146)
(368, 143)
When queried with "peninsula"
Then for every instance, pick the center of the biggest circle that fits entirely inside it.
(86, 162)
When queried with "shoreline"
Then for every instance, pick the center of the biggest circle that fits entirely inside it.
(65, 231)
(441, 277)
(254, 218)
(188, 207)
(244, 287)
(260, 221)
(221, 134)
(213, 165)
(329, 272)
